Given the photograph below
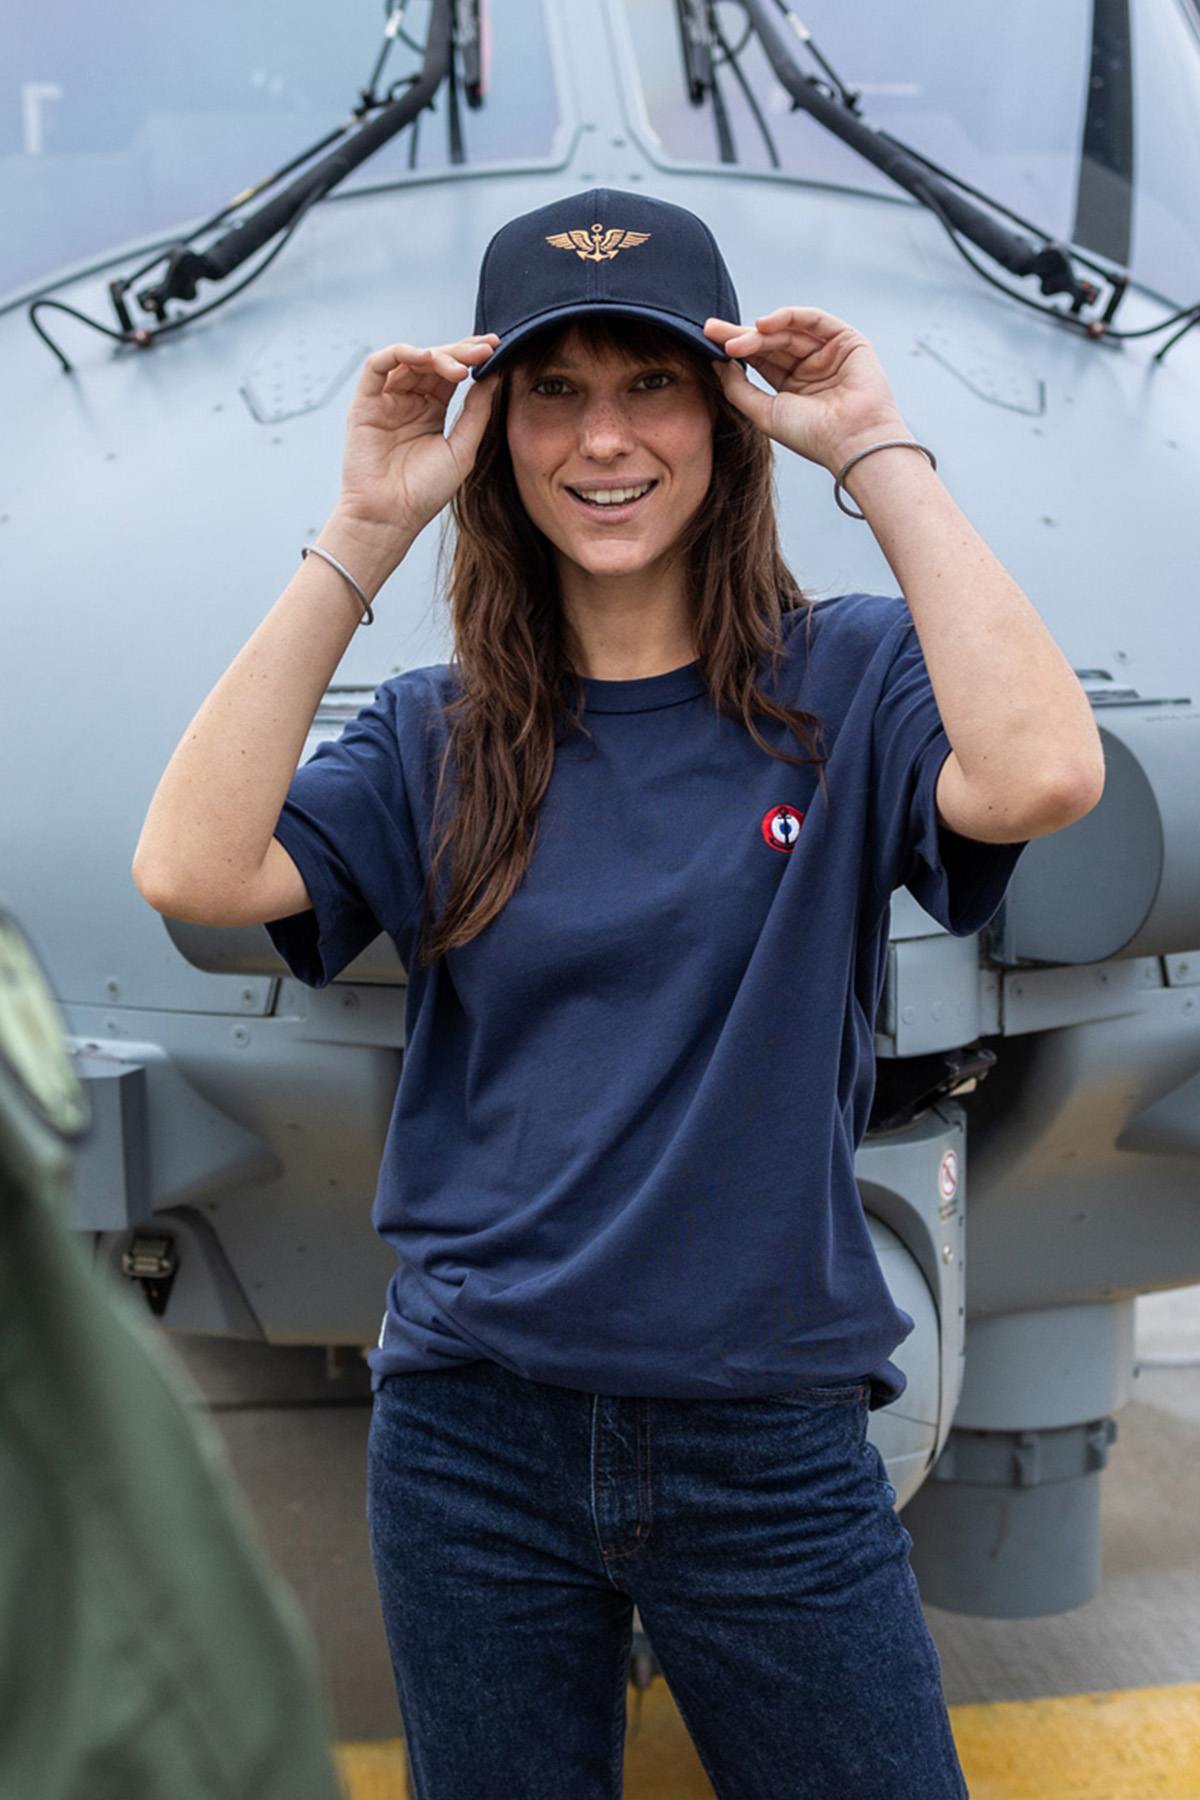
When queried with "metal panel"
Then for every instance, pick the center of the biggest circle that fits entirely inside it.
(934, 997)
(112, 1177)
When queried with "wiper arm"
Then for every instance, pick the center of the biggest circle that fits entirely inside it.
(1050, 261)
(449, 20)
(186, 266)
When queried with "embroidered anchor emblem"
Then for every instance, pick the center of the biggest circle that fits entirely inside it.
(600, 245)
(781, 827)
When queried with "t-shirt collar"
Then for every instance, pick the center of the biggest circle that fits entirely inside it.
(644, 692)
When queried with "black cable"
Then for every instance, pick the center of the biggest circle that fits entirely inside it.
(848, 96)
(746, 36)
(61, 306)
(1078, 255)
(1160, 353)
(726, 148)
(1090, 328)
(400, 33)
(145, 337)
(414, 128)
(731, 56)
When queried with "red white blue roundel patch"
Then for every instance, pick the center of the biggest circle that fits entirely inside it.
(781, 827)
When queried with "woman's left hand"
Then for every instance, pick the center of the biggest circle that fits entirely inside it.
(831, 394)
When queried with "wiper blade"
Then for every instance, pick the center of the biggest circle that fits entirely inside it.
(696, 40)
(473, 45)
(1050, 261)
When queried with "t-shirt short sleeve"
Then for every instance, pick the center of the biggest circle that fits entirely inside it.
(959, 881)
(347, 824)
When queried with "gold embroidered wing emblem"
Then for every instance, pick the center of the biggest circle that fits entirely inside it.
(597, 245)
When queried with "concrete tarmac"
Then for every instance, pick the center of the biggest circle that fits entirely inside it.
(296, 1438)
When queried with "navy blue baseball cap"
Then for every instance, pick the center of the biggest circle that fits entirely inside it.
(603, 251)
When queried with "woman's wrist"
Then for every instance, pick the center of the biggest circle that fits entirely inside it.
(370, 551)
(862, 440)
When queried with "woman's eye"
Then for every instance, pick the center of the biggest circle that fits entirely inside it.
(658, 375)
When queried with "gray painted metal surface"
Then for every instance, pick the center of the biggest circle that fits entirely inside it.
(154, 507)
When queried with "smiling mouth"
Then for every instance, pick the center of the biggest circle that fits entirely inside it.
(610, 509)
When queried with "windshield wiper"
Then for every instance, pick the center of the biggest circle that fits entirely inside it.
(185, 266)
(836, 107)
(1050, 261)
(449, 20)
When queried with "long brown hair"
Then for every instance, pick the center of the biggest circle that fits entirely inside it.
(517, 686)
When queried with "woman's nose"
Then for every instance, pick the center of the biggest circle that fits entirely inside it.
(605, 430)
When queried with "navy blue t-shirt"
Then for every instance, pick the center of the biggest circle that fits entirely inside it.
(621, 1154)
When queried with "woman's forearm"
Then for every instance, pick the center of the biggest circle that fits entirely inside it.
(218, 802)
(1013, 707)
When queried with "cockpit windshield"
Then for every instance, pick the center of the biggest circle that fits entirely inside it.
(1083, 118)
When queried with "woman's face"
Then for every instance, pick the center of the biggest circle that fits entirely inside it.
(588, 422)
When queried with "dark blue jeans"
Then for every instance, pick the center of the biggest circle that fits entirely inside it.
(514, 1526)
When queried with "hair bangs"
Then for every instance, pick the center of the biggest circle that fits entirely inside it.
(637, 339)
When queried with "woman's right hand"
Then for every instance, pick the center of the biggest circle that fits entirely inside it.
(400, 466)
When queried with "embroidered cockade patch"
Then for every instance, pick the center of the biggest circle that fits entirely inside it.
(781, 827)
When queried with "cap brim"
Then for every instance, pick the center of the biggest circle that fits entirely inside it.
(680, 328)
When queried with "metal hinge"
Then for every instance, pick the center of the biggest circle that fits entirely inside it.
(153, 1262)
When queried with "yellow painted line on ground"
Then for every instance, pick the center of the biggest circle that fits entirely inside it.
(373, 1771)
(1131, 1744)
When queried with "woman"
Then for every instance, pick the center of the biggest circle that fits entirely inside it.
(635, 846)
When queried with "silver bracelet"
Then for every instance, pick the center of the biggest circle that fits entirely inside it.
(887, 444)
(370, 618)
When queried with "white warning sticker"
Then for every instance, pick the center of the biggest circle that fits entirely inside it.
(948, 1175)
